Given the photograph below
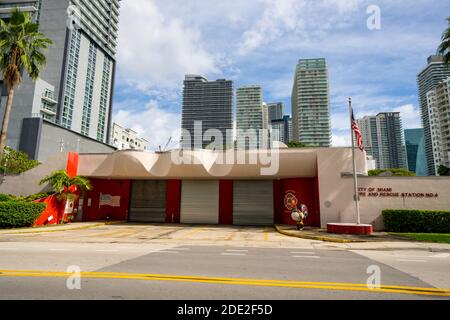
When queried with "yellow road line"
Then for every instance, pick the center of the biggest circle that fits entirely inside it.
(190, 233)
(266, 234)
(236, 281)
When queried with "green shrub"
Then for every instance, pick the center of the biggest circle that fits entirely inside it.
(5, 197)
(14, 214)
(393, 172)
(31, 198)
(15, 162)
(417, 221)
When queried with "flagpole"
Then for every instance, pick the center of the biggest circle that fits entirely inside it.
(355, 177)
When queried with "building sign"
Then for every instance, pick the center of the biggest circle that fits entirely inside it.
(372, 192)
(109, 200)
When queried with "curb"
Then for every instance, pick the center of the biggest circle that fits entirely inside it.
(61, 229)
(320, 238)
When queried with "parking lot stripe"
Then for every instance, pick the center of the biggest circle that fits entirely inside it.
(410, 260)
(233, 254)
(302, 252)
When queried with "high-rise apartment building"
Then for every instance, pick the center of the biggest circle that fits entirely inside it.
(384, 140)
(415, 151)
(75, 89)
(209, 103)
(311, 103)
(265, 111)
(249, 116)
(439, 119)
(276, 111)
(429, 78)
(281, 130)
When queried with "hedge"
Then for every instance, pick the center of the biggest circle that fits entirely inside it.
(19, 214)
(417, 221)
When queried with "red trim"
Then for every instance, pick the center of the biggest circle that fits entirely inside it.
(72, 164)
(277, 202)
(173, 201)
(226, 202)
(339, 228)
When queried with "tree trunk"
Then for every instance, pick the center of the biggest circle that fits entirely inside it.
(5, 122)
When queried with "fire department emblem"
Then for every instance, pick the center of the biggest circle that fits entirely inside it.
(290, 201)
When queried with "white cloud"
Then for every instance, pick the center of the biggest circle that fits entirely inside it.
(410, 115)
(157, 50)
(340, 140)
(153, 123)
(301, 17)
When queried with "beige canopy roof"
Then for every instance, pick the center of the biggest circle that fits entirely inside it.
(201, 164)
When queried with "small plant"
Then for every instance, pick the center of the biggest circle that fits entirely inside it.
(61, 183)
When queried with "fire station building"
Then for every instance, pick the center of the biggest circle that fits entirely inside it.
(208, 187)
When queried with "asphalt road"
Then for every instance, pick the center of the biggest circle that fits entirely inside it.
(195, 263)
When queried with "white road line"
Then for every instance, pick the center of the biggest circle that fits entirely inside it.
(233, 254)
(299, 252)
(166, 252)
(107, 250)
(441, 255)
(410, 260)
(312, 257)
(233, 250)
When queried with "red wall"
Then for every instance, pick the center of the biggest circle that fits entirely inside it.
(114, 188)
(53, 209)
(306, 191)
(173, 201)
(226, 202)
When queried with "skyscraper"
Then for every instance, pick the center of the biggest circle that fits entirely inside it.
(434, 73)
(438, 100)
(383, 139)
(75, 89)
(249, 116)
(311, 103)
(276, 111)
(210, 102)
(281, 129)
(415, 151)
(265, 111)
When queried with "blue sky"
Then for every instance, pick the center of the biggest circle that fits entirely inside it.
(260, 42)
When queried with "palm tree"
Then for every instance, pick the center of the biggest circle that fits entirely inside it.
(61, 183)
(444, 48)
(21, 49)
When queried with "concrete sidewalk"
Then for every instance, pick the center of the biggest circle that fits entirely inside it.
(376, 241)
(55, 228)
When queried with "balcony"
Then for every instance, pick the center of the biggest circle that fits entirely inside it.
(49, 97)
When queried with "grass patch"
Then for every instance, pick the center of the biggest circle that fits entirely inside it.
(426, 237)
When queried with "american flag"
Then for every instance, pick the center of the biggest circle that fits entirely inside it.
(357, 131)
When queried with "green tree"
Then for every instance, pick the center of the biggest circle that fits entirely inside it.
(297, 144)
(393, 172)
(16, 162)
(21, 50)
(444, 48)
(61, 182)
(443, 171)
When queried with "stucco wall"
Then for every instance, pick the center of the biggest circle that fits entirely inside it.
(336, 197)
(336, 191)
(27, 183)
